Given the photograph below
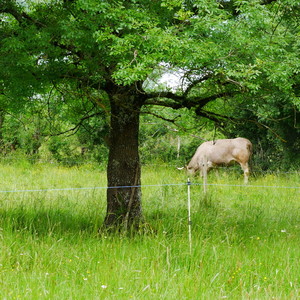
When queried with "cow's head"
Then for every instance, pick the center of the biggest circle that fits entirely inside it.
(191, 170)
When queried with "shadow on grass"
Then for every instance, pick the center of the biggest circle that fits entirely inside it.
(210, 219)
(51, 221)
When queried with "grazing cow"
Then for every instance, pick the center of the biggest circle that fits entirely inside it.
(221, 152)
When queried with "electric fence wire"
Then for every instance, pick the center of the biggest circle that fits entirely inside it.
(147, 185)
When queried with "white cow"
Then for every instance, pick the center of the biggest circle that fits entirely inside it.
(221, 152)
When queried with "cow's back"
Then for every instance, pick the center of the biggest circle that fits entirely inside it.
(223, 151)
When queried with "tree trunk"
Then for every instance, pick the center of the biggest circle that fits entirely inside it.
(124, 208)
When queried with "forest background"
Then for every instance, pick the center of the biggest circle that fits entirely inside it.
(24, 136)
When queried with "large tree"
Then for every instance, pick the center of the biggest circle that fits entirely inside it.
(105, 50)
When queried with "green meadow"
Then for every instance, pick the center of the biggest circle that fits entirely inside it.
(244, 243)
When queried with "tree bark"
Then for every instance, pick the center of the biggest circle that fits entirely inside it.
(124, 209)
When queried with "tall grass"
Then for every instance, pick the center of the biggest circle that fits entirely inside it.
(245, 240)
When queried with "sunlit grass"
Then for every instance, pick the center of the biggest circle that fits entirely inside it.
(245, 240)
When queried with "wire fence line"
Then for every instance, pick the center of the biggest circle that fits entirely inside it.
(148, 185)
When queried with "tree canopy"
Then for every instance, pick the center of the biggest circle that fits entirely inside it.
(243, 54)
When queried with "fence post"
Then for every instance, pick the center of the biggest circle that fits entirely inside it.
(189, 213)
(178, 146)
(204, 175)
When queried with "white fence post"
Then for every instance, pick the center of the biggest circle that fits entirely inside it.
(205, 175)
(189, 213)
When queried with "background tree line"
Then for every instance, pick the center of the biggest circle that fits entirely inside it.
(171, 138)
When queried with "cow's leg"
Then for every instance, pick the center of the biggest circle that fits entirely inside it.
(204, 167)
(246, 170)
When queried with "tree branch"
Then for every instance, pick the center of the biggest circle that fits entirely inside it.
(168, 95)
(219, 118)
(195, 82)
(182, 101)
(161, 117)
(164, 103)
(76, 127)
(8, 7)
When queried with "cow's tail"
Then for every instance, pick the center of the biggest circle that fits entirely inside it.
(250, 148)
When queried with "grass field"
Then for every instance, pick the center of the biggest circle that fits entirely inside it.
(245, 240)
